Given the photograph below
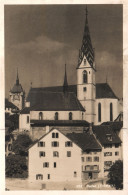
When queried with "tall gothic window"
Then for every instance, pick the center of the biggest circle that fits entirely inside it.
(70, 115)
(99, 112)
(56, 116)
(84, 76)
(111, 112)
(40, 116)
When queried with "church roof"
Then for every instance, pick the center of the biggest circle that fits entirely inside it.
(85, 141)
(101, 132)
(103, 90)
(53, 101)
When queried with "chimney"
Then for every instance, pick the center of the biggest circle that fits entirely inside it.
(90, 128)
(47, 128)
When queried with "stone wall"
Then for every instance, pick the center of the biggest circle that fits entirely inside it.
(37, 132)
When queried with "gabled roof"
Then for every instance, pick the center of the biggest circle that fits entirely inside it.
(101, 132)
(59, 122)
(45, 136)
(53, 101)
(85, 141)
(103, 90)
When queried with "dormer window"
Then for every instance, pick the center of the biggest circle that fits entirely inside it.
(84, 61)
(109, 137)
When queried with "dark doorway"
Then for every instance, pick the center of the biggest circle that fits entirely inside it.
(90, 175)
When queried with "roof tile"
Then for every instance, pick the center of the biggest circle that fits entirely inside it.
(86, 141)
(53, 101)
(101, 132)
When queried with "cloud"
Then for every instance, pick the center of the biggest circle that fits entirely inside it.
(107, 60)
(41, 44)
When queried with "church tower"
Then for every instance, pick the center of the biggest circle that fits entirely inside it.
(86, 91)
(17, 95)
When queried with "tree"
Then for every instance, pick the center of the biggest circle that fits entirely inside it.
(12, 122)
(115, 175)
(16, 166)
(21, 144)
(15, 119)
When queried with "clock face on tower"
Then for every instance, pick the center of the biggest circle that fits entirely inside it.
(17, 97)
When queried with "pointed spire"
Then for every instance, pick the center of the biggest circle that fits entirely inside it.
(86, 14)
(86, 48)
(17, 79)
(65, 85)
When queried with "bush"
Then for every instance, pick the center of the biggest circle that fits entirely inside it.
(21, 144)
(115, 175)
(16, 166)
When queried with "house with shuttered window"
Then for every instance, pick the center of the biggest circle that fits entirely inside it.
(74, 157)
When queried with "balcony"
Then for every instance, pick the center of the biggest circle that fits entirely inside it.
(90, 168)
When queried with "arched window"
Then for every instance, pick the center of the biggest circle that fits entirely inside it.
(85, 76)
(99, 112)
(111, 112)
(70, 115)
(56, 116)
(40, 116)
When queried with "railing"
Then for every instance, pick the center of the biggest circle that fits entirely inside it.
(90, 168)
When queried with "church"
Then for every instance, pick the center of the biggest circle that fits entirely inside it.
(67, 107)
(79, 123)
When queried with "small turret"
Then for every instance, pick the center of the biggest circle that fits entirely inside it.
(17, 94)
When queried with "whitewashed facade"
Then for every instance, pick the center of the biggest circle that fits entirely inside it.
(54, 161)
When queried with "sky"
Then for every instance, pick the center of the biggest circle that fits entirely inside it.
(40, 39)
